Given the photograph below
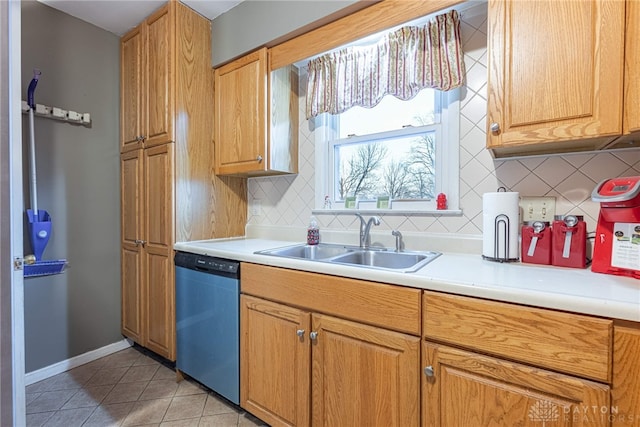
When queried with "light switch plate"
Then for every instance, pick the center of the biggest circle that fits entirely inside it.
(541, 208)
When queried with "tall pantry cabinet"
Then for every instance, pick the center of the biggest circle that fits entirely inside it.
(169, 191)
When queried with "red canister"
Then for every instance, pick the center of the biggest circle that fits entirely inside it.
(569, 247)
(536, 243)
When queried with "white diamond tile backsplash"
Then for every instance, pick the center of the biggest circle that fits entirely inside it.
(289, 200)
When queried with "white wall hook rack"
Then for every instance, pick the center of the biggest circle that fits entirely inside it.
(58, 114)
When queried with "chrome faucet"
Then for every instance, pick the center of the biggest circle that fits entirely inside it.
(365, 228)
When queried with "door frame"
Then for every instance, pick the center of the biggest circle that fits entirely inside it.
(12, 362)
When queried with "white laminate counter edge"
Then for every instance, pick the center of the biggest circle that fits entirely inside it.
(574, 290)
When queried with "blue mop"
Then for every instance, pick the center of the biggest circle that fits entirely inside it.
(39, 220)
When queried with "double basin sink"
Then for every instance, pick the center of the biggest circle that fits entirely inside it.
(376, 258)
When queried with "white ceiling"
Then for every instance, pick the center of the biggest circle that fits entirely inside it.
(119, 16)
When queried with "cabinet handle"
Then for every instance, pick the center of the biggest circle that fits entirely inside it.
(428, 371)
(140, 138)
(139, 242)
(300, 333)
(313, 335)
(259, 158)
(495, 127)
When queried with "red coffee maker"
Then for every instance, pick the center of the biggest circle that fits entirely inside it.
(617, 243)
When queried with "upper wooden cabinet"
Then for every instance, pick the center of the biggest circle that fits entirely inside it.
(632, 69)
(131, 89)
(148, 85)
(555, 75)
(256, 117)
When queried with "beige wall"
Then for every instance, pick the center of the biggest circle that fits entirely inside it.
(570, 178)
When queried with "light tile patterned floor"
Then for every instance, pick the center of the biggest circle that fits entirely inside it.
(128, 388)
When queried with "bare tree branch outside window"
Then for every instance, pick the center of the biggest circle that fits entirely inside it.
(358, 175)
(423, 171)
(396, 183)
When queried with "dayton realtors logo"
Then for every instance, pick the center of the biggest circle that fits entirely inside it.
(545, 412)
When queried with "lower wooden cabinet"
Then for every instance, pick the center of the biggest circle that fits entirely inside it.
(363, 375)
(302, 368)
(625, 390)
(462, 388)
(274, 362)
(321, 350)
(148, 296)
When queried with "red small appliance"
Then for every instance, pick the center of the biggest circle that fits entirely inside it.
(617, 243)
(569, 247)
(536, 243)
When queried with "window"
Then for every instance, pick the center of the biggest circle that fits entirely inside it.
(401, 152)
(404, 150)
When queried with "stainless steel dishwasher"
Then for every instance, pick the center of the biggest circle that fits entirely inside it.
(208, 322)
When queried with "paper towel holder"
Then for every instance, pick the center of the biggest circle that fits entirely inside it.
(503, 221)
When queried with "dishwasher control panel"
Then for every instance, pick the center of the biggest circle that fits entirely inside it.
(206, 263)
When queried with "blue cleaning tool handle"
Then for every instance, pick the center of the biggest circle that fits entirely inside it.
(32, 88)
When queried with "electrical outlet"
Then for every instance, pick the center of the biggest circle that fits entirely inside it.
(538, 208)
(256, 207)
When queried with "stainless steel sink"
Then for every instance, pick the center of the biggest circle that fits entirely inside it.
(405, 262)
(312, 252)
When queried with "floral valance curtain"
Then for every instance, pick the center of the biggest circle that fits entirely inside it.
(401, 64)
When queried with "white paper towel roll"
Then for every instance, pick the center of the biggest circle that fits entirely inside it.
(500, 224)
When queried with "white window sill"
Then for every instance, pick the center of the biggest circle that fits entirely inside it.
(388, 212)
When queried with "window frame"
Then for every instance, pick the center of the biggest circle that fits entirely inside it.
(447, 161)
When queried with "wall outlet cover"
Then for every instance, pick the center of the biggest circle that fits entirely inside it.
(542, 208)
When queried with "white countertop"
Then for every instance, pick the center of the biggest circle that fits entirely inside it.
(575, 290)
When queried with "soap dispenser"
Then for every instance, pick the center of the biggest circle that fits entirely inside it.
(313, 232)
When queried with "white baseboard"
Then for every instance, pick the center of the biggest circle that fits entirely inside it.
(74, 362)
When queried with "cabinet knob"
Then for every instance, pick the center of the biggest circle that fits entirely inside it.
(259, 158)
(495, 127)
(140, 138)
(313, 335)
(139, 242)
(428, 371)
(300, 333)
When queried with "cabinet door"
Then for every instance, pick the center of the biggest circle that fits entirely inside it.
(132, 219)
(469, 389)
(241, 115)
(625, 391)
(160, 290)
(363, 376)
(555, 74)
(131, 89)
(274, 362)
(632, 69)
(160, 75)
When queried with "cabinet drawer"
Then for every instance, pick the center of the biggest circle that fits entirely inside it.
(391, 307)
(565, 342)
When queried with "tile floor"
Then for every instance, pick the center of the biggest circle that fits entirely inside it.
(129, 388)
